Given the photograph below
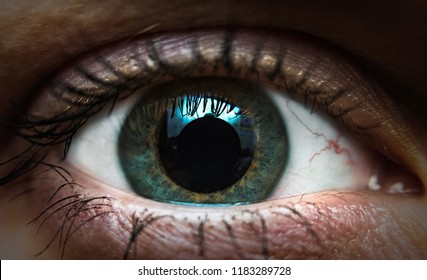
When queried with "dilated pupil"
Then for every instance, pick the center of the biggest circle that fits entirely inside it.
(204, 141)
(204, 157)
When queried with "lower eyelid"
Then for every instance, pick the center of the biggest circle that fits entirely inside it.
(319, 225)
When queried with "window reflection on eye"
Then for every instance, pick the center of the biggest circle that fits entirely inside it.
(81, 207)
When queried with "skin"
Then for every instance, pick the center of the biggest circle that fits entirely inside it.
(388, 39)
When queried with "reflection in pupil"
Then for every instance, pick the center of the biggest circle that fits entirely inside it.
(205, 154)
(212, 141)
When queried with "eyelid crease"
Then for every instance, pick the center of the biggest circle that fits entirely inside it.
(318, 75)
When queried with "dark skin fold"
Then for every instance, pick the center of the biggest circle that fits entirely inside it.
(386, 39)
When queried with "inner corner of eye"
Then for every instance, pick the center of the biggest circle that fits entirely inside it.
(222, 141)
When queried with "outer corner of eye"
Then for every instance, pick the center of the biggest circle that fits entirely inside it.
(201, 141)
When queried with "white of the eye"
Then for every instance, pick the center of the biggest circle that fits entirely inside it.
(94, 147)
(321, 155)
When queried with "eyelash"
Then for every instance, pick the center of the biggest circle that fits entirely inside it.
(60, 129)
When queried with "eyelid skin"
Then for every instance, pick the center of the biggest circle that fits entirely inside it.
(327, 225)
(323, 225)
(302, 66)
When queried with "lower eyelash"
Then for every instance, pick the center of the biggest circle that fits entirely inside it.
(69, 210)
(138, 226)
(74, 208)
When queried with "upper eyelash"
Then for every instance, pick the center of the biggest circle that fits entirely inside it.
(84, 103)
(44, 132)
(61, 128)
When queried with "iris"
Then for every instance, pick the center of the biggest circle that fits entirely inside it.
(204, 141)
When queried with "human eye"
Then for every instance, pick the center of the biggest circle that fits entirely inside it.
(78, 206)
(316, 155)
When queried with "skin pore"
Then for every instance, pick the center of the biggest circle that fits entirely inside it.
(388, 40)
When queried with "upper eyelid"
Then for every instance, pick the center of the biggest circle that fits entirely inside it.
(93, 68)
